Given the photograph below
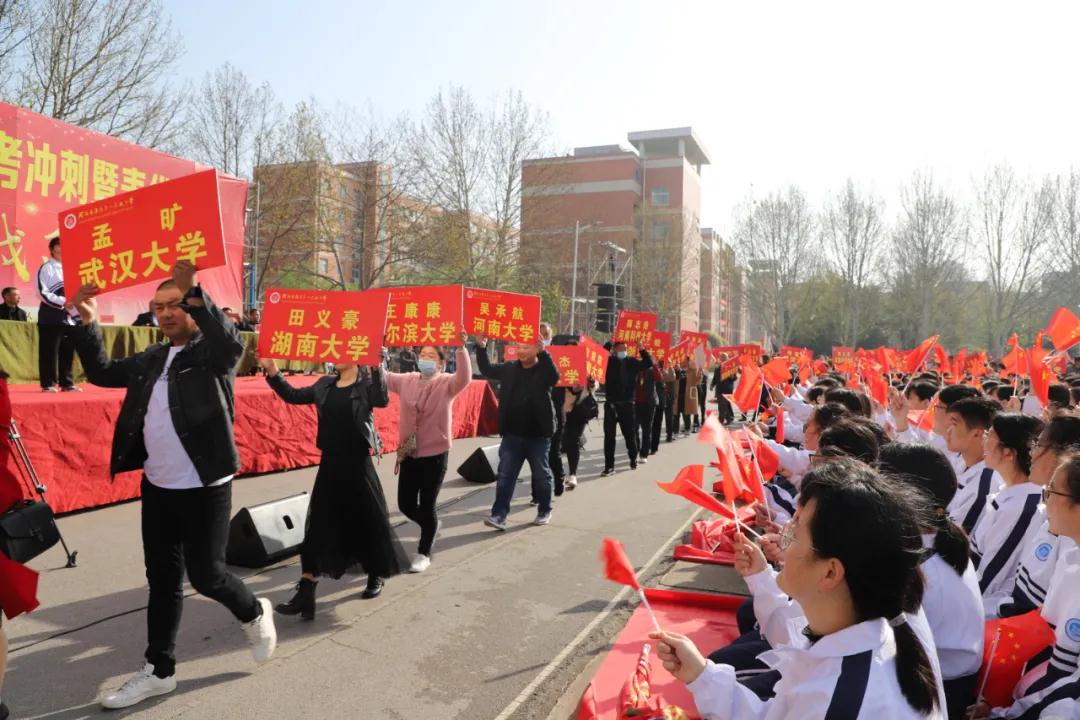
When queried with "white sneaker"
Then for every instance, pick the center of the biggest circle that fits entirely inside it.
(542, 518)
(643, 461)
(420, 563)
(140, 686)
(261, 633)
(571, 482)
(494, 522)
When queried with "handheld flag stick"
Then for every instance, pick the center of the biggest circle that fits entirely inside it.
(761, 480)
(648, 609)
(990, 664)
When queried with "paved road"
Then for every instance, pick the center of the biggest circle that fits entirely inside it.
(463, 640)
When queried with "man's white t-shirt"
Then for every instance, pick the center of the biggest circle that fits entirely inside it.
(167, 463)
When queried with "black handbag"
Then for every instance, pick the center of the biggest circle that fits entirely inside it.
(27, 530)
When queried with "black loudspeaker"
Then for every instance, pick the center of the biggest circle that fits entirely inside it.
(266, 533)
(482, 466)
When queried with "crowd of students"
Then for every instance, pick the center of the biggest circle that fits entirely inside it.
(886, 548)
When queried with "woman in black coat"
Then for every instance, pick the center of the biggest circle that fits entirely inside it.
(348, 522)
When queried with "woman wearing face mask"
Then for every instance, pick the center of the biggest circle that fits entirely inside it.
(426, 408)
(1051, 686)
(851, 566)
(348, 522)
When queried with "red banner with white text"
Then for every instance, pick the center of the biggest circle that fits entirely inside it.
(510, 317)
(340, 327)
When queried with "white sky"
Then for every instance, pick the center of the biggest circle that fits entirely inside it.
(804, 92)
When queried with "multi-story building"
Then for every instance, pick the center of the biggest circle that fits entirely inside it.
(636, 211)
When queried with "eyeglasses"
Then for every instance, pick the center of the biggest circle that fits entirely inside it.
(1046, 493)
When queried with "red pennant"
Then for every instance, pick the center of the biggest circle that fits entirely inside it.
(617, 566)
(748, 393)
(917, 357)
(1022, 637)
(1064, 329)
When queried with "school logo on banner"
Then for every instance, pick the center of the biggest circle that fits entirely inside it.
(1043, 551)
(1072, 629)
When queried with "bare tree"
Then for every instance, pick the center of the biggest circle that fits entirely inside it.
(220, 125)
(104, 64)
(851, 234)
(1014, 222)
(775, 238)
(14, 23)
(1063, 259)
(928, 247)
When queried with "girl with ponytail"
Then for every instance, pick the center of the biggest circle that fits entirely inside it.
(851, 563)
(951, 599)
(1012, 515)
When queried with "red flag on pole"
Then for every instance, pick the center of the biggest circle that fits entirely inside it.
(917, 357)
(748, 392)
(684, 486)
(942, 359)
(1022, 636)
(1064, 329)
(617, 566)
(767, 459)
(777, 371)
(1041, 376)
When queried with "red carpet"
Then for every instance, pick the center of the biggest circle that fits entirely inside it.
(708, 620)
(69, 435)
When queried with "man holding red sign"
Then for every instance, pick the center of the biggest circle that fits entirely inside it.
(175, 425)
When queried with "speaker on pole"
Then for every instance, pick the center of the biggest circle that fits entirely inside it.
(482, 466)
(263, 534)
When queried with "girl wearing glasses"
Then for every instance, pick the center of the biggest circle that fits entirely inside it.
(1012, 515)
(1050, 689)
(851, 563)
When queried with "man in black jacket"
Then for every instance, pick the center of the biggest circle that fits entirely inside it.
(9, 308)
(526, 422)
(619, 384)
(175, 425)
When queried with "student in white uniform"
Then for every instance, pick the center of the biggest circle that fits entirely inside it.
(952, 600)
(851, 562)
(936, 435)
(1011, 516)
(1041, 553)
(969, 419)
(1049, 685)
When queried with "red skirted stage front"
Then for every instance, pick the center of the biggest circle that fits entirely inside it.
(69, 435)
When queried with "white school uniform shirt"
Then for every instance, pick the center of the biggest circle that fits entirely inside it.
(793, 429)
(1037, 563)
(1007, 524)
(798, 408)
(853, 668)
(954, 610)
(1031, 406)
(974, 487)
(167, 463)
(795, 461)
(1057, 677)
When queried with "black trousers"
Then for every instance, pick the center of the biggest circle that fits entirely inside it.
(657, 426)
(619, 414)
(644, 413)
(186, 528)
(959, 694)
(419, 483)
(671, 421)
(55, 347)
(571, 442)
(558, 475)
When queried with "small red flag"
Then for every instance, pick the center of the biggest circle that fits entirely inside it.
(1041, 376)
(777, 371)
(917, 357)
(1016, 361)
(779, 436)
(942, 359)
(1064, 329)
(926, 420)
(617, 566)
(883, 359)
(748, 392)
(879, 389)
(768, 460)
(1022, 637)
(959, 363)
(684, 487)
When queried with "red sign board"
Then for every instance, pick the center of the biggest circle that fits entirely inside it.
(678, 353)
(843, 355)
(657, 344)
(634, 327)
(48, 166)
(695, 338)
(510, 317)
(323, 326)
(572, 364)
(423, 315)
(596, 358)
(138, 236)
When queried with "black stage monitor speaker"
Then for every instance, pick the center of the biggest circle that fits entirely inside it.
(482, 466)
(266, 533)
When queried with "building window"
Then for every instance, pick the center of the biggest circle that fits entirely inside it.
(324, 266)
(659, 196)
(659, 231)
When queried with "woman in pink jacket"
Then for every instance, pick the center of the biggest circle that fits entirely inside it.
(426, 400)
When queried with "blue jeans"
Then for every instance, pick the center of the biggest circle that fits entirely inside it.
(513, 452)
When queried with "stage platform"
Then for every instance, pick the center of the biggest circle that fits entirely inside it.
(69, 435)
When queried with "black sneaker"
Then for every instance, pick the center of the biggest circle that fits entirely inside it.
(633, 465)
(374, 588)
(607, 471)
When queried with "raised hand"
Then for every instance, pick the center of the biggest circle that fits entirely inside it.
(85, 301)
(183, 273)
(679, 656)
(269, 366)
(749, 559)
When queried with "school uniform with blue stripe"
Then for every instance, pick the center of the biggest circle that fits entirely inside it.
(975, 486)
(1036, 569)
(1010, 520)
